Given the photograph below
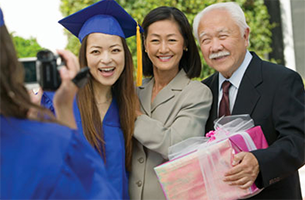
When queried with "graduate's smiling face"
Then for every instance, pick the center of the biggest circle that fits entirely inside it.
(106, 57)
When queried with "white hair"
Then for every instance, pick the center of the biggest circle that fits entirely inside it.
(232, 8)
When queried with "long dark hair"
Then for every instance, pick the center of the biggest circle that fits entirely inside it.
(190, 60)
(15, 100)
(123, 91)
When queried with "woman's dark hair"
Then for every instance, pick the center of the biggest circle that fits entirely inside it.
(124, 92)
(190, 60)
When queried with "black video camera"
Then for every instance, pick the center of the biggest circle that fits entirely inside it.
(44, 70)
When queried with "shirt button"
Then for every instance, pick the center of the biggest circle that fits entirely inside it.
(139, 183)
(141, 160)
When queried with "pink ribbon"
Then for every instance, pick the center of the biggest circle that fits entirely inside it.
(211, 135)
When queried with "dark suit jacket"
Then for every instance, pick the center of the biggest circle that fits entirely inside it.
(274, 97)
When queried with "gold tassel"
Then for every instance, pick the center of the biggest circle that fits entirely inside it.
(139, 57)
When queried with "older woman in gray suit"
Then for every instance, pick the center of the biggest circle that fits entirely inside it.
(172, 107)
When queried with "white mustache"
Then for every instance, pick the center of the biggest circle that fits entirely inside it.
(219, 54)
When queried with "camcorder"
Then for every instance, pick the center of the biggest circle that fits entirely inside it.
(43, 69)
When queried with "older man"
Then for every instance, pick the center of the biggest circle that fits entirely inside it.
(273, 95)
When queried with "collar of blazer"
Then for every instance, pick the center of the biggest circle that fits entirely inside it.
(168, 92)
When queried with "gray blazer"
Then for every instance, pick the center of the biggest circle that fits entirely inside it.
(178, 112)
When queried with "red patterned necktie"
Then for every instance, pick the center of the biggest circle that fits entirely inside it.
(224, 106)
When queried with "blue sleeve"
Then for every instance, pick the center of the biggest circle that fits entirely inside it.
(47, 101)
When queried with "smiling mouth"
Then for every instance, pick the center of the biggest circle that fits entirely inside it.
(111, 69)
(164, 58)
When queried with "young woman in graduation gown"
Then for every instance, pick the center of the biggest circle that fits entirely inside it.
(105, 108)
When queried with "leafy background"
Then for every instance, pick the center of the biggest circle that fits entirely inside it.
(256, 14)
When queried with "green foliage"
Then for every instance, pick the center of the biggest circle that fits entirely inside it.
(25, 47)
(69, 7)
(256, 14)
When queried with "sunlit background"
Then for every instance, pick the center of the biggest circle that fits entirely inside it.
(35, 18)
(38, 19)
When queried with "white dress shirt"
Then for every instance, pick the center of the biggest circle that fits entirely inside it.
(235, 80)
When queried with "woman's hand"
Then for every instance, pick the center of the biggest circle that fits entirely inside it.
(64, 95)
(35, 95)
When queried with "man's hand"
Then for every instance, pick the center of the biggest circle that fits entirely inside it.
(244, 171)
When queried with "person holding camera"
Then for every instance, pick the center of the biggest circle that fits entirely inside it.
(105, 108)
(42, 156)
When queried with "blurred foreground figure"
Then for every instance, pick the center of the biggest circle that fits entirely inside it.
(40, 157)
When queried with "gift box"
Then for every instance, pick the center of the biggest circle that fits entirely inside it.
(196, 171)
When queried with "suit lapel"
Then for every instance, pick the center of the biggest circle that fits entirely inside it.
(214, 88)
(248, 96)
(164, 95)
(168, 92)
(213, 85)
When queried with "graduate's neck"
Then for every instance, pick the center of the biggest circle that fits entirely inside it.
(102, 93)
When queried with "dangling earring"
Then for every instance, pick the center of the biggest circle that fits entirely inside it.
(186, 49)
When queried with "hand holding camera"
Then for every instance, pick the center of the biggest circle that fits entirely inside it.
(67, 89)
(61, 73)
(71, 79)
(43, 70)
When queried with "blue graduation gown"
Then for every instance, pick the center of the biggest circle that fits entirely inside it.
(41, 160)
(114, 139)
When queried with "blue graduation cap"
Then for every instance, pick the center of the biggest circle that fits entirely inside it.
(108, 17)
(1, 18)
(105, 16)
